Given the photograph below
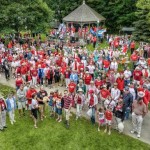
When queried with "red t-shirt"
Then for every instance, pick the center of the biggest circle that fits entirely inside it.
(34, 72)
(19, 82)
(120, 84)
(137, 75)
(104, 93)
(98, 83)
(67, 74)
(29, 94)
(132, 45)
(88, 79)
(72, 87)
(23, 70)
(134, 57)
(106, 63)
(108, 115)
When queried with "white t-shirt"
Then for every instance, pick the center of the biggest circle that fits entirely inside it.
(34, 103)
(101, 115)
(127, 74)
(112, 104)
(91, 69)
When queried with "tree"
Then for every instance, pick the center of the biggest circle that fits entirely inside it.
(24, 14)
(118, 13)
(142, 25)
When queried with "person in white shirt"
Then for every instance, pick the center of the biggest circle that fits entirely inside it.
(127, 76)
(115, 93)
(132, 91)
(114, 65)
(109, 103)
(142, 62)
(91, 68)
(34, 109)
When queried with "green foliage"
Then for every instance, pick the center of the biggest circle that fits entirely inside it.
(118, 13)
(5, 90)
(142, 25)
(24, 15)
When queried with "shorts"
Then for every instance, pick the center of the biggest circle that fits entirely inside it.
(29, 106)
(41, 108)
(108, 122)
(34, 113)
(21, 105)
(101, 121)
(59, 111)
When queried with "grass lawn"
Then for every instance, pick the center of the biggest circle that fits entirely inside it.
(51, 135)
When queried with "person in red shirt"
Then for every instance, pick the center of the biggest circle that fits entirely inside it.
(34, 74)
(132, 46)
(24, 71)
(146, 98)
(120, 83)
(72, 87)
(29, 94)
(134, 57)
(29, 78)
(106, 65)
(72, 91)
(104, 93)
(67, 77)
(98, 82)
(108, 119)
(80, 67)
(62, 75)
(87, 79)
(19, 81)
(94, 41)
(137, 75)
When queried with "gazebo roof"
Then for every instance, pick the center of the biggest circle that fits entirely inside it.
(84, 14)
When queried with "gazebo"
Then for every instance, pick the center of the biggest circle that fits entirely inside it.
(84, 15)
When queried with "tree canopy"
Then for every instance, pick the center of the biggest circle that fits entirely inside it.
(24, 14)
(142, 24)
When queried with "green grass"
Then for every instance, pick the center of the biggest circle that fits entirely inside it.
(54, 136)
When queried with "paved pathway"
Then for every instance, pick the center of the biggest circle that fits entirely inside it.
(145, 136)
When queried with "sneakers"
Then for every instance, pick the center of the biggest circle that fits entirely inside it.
(109, 133)
(98, 129)
(138, 136)
(132, 132)
(60, 120)
(12, 122)
(105, 130)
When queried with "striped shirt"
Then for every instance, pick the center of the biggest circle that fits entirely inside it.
(67, 101)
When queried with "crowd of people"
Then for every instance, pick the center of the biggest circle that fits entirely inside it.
(108, 83)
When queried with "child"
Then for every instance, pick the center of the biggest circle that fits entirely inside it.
(108, 119)
(34, 109)
(101, 117)
(59, 108)
(51, 104)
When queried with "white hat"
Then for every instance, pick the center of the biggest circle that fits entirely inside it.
(86, 72)
(80, 90)
(92, 82)
(145, 67)
(141, 94)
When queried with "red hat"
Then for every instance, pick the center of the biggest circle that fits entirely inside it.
(91, 91)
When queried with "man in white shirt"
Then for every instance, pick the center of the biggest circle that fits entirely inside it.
(115, 93)
(127, 76)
